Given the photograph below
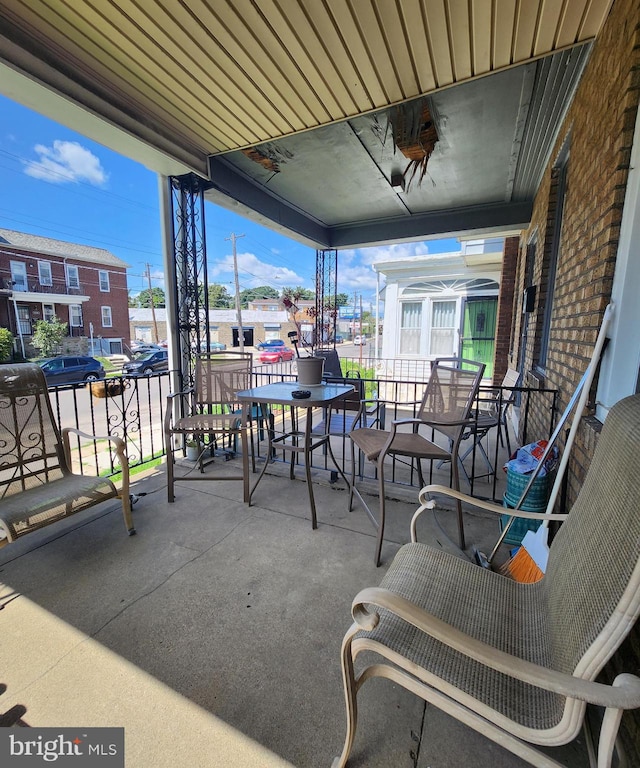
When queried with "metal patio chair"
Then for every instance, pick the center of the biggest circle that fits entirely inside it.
(37, 483)
(492, 411)
(446, 408)
(211, 414)
(516, 662)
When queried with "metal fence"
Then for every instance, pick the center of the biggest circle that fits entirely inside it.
(134, 408)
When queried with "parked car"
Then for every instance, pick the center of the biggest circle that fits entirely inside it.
(360, 341)
(214, 346)
(71, 369)
(339, 339)
(140, 347)
(271, 344)
(147, 363)
(277, 355)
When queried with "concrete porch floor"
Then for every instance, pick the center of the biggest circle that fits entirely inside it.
(213, 635)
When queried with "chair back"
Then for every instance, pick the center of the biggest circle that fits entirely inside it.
(31, 452)
(332, 367)
(593, 574)
(220, 375)
(450, 393)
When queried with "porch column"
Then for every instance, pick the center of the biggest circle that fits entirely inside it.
(186, 273)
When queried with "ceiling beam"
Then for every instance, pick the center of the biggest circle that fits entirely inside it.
(480, 220)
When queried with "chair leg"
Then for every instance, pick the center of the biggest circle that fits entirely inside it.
(125, 498)
(353, 474)
(170, 462)
(245, 464)
(380, 465)
(455, 484)
(350, 694)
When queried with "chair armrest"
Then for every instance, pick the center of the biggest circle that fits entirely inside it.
(168, 411)
(119, 446)
(623, 694)
(480, 504)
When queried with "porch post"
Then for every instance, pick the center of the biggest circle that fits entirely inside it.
(326, 294)
(189, 304)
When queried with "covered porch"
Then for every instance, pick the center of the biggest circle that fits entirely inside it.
(213, 636)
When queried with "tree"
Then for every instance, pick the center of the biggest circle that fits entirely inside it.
(48, 335)
(342, 300)
(298, 293)
(219, 298)
(144, 298)
(6, 344)
(255, 294)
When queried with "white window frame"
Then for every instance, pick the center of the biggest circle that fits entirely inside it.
(75, 313)
(45, 279)
(103, 280)
(73, 276)
(444, 297)
(48, 312)
(619, 372)
(19, 270)
(419, 327)
(105, 314)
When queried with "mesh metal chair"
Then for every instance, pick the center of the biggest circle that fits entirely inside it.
(515, 661)
(445, 408)
(37, 484)
(212, 413)
(493, 409)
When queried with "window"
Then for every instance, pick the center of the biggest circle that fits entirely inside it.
(443, 328)
(106, 317)
(73, 281)
(559, 185)
(75, 315)
(24, 320)
(44, 273)
(103, 278)
(410, 326)
(19, 275)
(48, 312)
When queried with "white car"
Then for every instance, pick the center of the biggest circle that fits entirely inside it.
(360, 341)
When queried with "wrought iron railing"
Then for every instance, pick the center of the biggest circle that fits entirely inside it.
(133, 408)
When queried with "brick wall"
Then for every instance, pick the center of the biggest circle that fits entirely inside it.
(505, 309)
(597, 133)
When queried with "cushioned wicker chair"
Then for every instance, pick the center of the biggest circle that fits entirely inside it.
(516, 661)
(212, 413)
(37, 484)
(445, 408)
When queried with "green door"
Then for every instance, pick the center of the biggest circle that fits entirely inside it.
(478, 339)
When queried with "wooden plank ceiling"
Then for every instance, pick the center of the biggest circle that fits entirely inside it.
(213, 76)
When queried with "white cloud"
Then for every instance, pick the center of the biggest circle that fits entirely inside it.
(392, 252)
(358, 278)
(252, 272)
(66, 162)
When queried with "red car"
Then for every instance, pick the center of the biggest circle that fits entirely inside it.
(277, 355)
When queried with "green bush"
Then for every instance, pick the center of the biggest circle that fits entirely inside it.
(48, 335)
(6, 344)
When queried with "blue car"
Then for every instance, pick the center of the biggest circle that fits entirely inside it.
(271, 344)
(71, 369)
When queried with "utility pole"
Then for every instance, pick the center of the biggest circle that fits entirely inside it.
(361, 344)
(355, 314)
(152, 304)
(233, 239)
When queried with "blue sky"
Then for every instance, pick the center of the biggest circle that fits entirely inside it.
(59, 184)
